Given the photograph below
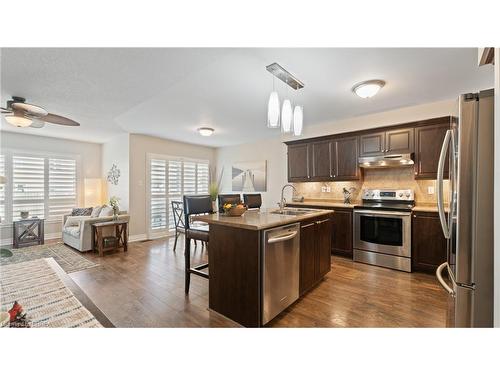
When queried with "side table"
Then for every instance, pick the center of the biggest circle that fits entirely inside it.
(28, 232)
(121, 235)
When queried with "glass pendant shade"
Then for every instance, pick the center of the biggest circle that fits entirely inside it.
(19, 121)
(286, 116)
(298, 120)
(273, 111)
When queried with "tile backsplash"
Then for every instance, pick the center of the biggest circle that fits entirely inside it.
(390, 178)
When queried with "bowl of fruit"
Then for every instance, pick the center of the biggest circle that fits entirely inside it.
(234, 209)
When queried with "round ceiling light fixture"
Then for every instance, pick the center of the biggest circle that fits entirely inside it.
(206, 132)
(368, 89)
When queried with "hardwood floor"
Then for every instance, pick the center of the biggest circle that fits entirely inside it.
(145, 288)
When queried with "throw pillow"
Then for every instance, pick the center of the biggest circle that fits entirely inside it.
(81, 211)
(106, 211)
(96, 211)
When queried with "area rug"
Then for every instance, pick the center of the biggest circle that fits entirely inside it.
(68, 259)
(43, 295)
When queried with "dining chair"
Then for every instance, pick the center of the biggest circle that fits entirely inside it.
(252, 201)
(228, 198)
(195, 205)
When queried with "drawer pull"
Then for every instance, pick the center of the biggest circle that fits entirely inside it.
(308, 225)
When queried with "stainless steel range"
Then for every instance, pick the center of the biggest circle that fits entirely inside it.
(382, 228)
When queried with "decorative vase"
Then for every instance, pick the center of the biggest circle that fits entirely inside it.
(214, 206)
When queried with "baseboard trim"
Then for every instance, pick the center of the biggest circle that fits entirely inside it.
(137, 238)
(48, 236)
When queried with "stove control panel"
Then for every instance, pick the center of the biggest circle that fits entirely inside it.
(388, 195)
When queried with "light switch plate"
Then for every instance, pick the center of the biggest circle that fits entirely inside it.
(430, 189)
(323, 189)
(328, 189)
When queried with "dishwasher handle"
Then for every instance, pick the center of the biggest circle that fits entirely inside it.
(282, 238)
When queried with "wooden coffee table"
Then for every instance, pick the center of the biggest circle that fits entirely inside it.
(121, 235)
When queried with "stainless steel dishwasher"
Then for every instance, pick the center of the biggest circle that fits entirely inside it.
(280, 277)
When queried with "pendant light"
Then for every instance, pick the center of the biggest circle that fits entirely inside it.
(298, 120)
(273, 110)
(286, 116)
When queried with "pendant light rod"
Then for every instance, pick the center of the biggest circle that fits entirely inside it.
(278, 71)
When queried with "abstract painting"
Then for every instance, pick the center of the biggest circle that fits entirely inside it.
(249, 176)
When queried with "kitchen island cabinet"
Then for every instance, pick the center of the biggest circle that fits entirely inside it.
(235, 256)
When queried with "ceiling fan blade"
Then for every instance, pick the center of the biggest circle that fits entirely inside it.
(29, 109)
(59, 120)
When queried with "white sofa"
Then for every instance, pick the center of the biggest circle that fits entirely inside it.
(77, 230)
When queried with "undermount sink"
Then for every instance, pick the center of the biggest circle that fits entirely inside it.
(294, 211)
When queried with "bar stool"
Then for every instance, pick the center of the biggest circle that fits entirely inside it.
(195, 205)
(180, 228)
(228, 198)
(252, 200)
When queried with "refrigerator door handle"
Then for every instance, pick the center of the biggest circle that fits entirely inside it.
(443, 283)
(440, 181)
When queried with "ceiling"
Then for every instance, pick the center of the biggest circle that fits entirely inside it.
(170, 92)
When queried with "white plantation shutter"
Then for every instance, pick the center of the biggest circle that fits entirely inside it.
(2, 189)
(28, 186)
(62, 187)
(158, 190)
(180, 177)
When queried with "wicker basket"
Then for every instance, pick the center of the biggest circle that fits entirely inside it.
(236, 211)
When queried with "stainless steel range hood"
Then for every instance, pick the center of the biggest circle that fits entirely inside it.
(386, 161)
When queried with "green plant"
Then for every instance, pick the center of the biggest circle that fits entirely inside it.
(214, 187)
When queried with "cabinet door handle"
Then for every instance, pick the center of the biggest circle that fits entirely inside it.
(307, 225)
(322, 221)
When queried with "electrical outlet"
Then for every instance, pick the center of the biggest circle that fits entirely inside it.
(328, 189)
(323, 189)
(430, 189)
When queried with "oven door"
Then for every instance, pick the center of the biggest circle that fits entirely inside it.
(386, 232)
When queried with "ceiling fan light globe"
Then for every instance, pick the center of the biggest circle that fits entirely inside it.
(18, 121)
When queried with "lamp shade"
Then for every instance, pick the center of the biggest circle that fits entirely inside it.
(298, 120)
(286, 117)
(93, 192)
(273, 111)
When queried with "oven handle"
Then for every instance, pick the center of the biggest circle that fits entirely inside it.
(381, 213)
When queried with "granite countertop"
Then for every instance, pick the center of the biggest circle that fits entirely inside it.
(259, 219)
(323, 203)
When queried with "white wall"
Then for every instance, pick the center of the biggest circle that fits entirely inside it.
(90, 166)
(497, 191)
(117, 151)
(140, 145)
(274, 151)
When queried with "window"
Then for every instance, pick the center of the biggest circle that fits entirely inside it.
(44, 186)
(169, 179)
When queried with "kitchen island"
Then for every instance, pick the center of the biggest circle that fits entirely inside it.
(239, 283)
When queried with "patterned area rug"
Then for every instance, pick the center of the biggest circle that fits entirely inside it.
(68, 259)
(44, 297)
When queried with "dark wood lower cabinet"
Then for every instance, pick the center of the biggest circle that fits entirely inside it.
(428, 242)
(342, 232)
(315, 251)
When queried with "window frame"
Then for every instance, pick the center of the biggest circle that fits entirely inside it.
(156, 233)
(9, 153)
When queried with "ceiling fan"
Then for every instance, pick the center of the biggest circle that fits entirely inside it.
(22, 114)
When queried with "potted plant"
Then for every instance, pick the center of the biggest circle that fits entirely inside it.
(113, 202)
(214, 188)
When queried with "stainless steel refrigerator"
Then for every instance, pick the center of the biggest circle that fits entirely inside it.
(467, 220)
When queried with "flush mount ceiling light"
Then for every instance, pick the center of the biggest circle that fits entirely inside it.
(206, 132)
(367, 89)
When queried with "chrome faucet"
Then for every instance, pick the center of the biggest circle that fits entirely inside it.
(282, 200)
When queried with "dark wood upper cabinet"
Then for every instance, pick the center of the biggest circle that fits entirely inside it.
(345, 159)
(372, 144)
(400, 141)
(298, 162)
(428, 143)
(320, 160)
(428, 242)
